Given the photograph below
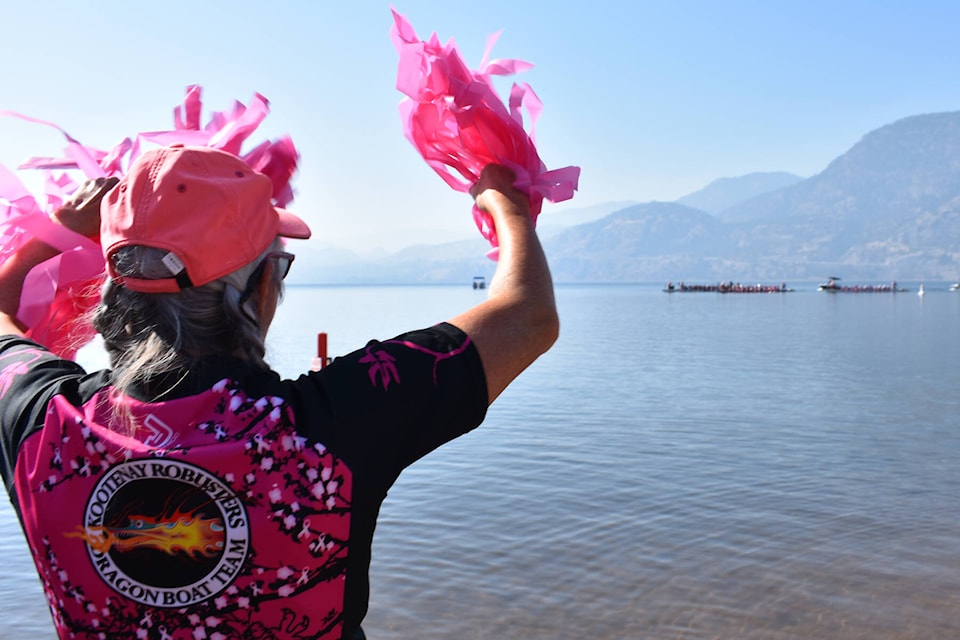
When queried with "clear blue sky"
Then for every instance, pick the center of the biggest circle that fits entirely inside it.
(652, 99)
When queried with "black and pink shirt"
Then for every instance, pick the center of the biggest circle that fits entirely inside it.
(243, 505)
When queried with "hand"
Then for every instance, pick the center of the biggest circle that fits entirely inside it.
(81, 213)
(494, 191)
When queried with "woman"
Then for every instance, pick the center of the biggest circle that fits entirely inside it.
(189, 492)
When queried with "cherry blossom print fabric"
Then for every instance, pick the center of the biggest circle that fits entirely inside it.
(196, 529)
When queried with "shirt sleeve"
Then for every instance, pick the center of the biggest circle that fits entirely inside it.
(392, 402)
(29, 377)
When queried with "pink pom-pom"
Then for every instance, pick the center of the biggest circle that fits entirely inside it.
(454, 118)
(59, 293)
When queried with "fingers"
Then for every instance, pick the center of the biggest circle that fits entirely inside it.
(495, 194)
(81, 213)
(90, 193)
(493, 176)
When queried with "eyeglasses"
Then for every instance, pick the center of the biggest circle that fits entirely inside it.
(282, 261)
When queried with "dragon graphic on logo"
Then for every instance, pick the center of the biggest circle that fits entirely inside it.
(178, 532)
(164, 532)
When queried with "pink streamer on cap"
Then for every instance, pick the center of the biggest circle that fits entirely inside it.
(59, 293)
(453, 116)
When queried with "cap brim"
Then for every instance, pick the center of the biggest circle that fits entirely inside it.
(291, 226)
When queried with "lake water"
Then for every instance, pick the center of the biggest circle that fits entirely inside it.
(681, 466)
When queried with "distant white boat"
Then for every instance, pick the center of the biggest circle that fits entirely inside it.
(832, 286)
(920, 291)
(955, 286)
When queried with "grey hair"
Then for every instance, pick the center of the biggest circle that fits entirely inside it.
(149, 335)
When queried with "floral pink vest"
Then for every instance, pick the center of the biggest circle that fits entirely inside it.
(215, 520)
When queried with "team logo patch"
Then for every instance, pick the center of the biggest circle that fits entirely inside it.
(165, 533)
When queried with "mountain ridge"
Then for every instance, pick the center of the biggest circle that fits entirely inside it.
(887, 209)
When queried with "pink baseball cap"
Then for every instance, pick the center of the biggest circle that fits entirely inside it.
(207, 207)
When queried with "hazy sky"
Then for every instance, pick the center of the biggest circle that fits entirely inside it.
(652, 99)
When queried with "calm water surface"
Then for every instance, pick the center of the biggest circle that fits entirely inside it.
(679, 466)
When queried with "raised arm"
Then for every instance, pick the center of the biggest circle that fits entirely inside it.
(518, 322)
(80, 214)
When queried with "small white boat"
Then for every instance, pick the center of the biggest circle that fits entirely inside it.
(920, 291)
(955, 286)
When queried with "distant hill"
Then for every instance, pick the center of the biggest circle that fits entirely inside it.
(887, 209)
(553, 221)
(727, 192)
(456, 261)
(902, 167)
(653, 241)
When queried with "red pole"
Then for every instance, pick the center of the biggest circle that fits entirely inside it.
(321, 360)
